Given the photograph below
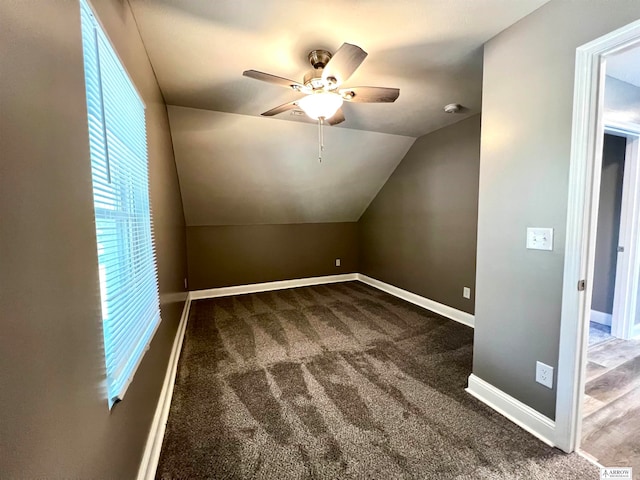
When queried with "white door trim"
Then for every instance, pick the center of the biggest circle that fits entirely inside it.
(582, 210)
(625, 300)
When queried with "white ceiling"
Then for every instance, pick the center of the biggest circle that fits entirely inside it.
(236, 167)
(430, 49)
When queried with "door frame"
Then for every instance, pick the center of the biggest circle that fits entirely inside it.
(584, 184)
(625, 300)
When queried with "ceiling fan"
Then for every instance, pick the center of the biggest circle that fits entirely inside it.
(321, 85)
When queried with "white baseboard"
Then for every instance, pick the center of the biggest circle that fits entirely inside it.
(522, 415)
(590, 458)
(268, 286)
(439, 308)
(151, 455)
(600, 317)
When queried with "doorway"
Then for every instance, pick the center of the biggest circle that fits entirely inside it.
(612, 384)
(580, 258)
(611, 249)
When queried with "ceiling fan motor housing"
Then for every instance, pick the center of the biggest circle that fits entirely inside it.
(313, 78)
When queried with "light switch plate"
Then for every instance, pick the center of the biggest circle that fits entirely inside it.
(539, 238)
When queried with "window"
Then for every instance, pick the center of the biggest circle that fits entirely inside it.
(119, 166)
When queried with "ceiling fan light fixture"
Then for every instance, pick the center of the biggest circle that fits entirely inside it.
(320, 105)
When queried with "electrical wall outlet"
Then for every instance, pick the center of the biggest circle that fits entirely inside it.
(466, 292)
(337, 262)
(185, 283)
(544, 374)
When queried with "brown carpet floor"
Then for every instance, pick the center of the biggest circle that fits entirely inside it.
(338, 381)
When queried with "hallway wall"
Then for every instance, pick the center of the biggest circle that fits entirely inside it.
(604, 278)
(527, 108)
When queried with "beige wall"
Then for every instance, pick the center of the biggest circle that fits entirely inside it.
(524, 169)
(54, 419)
(227, 255)
(419, 233)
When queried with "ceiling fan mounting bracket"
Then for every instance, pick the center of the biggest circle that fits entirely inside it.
(319, 58)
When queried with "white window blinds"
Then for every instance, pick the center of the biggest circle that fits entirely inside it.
(119, 165)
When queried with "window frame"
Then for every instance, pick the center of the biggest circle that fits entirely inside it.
(133, 244)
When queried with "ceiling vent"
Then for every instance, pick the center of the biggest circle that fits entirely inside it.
(452, 108)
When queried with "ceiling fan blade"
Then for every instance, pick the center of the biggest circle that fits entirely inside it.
(343, 63)
(281, 108)
(337, 118)
(266, 77)
(370, 94)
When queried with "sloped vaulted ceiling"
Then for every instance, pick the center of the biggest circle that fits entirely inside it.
(270, 173)
(236, 167)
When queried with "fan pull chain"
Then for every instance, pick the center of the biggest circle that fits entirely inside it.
(320, 138)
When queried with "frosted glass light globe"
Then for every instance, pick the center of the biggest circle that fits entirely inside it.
(321, 104)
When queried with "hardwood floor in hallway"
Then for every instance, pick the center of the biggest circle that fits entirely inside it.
(611, 410)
